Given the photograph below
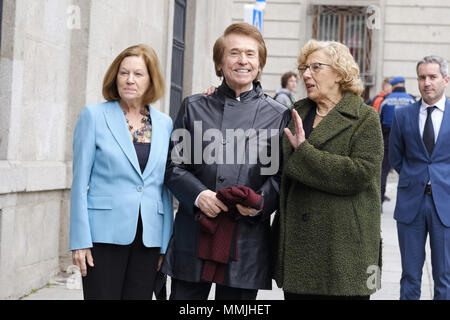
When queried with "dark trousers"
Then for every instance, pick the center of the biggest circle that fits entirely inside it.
(184, 290)
(411, 239)
(385, 166)
(295, 296)
(122, 272)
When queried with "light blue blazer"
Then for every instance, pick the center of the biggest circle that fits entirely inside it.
(410, 158)
(108, 187)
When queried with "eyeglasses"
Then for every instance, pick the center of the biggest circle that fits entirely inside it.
(313, 67)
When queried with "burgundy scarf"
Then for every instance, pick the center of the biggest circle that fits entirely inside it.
(217, 243)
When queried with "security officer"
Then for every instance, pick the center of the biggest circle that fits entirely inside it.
(398, 98)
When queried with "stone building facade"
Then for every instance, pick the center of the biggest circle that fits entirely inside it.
(401, 33)
(53, 56)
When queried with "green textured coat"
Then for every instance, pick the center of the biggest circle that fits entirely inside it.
(327, 234)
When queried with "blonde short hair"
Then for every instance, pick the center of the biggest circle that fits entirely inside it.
(156, 87)
(340, 59)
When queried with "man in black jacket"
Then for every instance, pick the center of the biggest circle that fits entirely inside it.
(230, 138)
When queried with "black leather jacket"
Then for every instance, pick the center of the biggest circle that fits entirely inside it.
(219, 112)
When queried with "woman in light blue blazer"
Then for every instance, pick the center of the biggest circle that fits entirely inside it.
(121, 213)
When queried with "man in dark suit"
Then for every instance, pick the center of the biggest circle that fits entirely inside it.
(420, 153)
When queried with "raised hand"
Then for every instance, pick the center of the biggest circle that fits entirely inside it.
(299, 136)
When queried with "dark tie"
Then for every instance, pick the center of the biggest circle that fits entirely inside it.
(428, 131)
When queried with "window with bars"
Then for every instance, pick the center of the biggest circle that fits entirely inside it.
(347, 24)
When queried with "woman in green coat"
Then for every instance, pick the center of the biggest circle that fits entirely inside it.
(327, 233)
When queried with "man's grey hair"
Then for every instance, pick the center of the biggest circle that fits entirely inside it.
(443, 65)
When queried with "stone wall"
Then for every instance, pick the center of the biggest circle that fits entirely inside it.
(34, 171)
(414, 29)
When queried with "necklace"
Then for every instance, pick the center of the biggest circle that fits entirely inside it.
(320, 114)
(145, 131)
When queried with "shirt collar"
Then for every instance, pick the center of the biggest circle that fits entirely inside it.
(440, 104)
(239, 98)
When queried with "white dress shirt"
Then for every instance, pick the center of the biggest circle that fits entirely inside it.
(436, 116)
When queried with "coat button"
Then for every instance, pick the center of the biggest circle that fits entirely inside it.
(140, 188)
(305, 217)
(221, 179)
